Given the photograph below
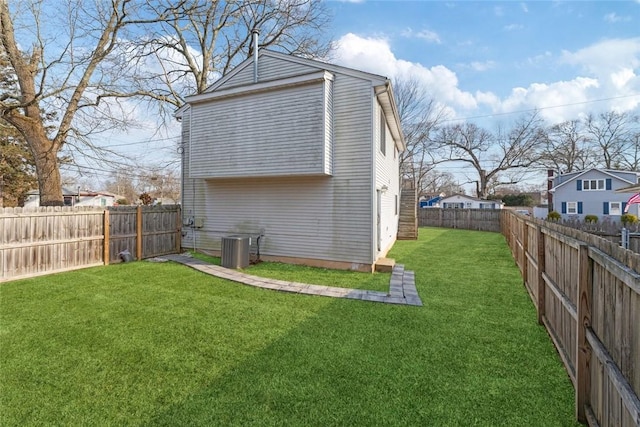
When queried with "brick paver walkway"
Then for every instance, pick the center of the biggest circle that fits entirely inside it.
(402, 287)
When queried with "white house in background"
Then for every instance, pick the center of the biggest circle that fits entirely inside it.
(303, 153)
(593, 192)
(460, 201)
(75, 198)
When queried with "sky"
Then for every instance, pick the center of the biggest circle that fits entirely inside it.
(486, 62)
(495, 58)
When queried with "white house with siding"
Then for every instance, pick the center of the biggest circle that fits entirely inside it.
(461, 201)
(75, 198)
(303, 153)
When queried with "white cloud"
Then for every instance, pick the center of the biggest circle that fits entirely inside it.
(524, 7)
(558, 101)
(374, 55)
(427, 35)
(513, 27)
(608, 71)
(608, 79)
(612, 18)
(606, 57)
(483, 66)
(498, 11)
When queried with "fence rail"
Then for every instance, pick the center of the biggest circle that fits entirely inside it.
(48, 240)
(587, 294)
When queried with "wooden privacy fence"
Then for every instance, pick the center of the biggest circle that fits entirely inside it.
(469, 219)
(48, 240)
(587, 294)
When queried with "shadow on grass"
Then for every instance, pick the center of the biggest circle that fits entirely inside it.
(472, 356)
(166, 345)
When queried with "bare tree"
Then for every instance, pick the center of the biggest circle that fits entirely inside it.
(436, 182)
(611, 134)
(420, 116)
(86, 63)
(123, 184)
(496, 159)
(631, 154)
(69, 77)
(567, 148)
(203, 40)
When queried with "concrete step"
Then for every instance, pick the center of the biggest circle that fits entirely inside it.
(385, 265)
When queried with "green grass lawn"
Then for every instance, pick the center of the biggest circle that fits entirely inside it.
(313, 275)
(162, 344)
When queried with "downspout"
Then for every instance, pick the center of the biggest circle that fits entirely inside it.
(254, 35)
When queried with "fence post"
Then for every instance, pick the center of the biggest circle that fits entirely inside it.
(583, 350)
(106, 252)
(179, 228)
(525, 261)
(139, 233)
(541, 269)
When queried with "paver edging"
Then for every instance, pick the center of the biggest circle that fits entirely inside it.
(401, 291)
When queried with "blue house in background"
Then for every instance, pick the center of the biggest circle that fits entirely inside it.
(431, 202)
(593, 192)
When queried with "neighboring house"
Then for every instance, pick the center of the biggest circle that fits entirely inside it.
(460, 201)
(593, 192)
(541, 211)
(430, 200)
(302, 153)
(75, 198)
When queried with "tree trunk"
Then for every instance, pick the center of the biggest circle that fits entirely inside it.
(45, 154)
(49, 180)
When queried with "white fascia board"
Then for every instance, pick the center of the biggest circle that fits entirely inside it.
(262, 87)
(384, 95)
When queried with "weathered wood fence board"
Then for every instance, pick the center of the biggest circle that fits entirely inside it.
(470, 219)
(587, 294)
(47, 240)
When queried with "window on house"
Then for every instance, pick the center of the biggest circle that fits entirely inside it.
(383, 134)
(593, 184)
(103, 201)
(615, 208)
(453, 205)
(468, 205)
(572, 208)
(486, 205)
(68, 200)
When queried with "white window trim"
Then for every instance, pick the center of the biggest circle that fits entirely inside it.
(575, 208)
(597, 181)
(383, 133)
(618, 210)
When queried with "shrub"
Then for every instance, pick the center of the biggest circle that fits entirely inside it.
(628, 219)
(553, 216)
(591, 219)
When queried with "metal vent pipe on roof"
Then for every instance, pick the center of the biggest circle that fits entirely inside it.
(254, 34)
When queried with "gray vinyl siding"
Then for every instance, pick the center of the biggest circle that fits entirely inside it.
(387, 175)
(592, 201)
(268, 69)
(193, 192)
(320, 217)
(250, 135)
(317, 202)
(292, 213)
